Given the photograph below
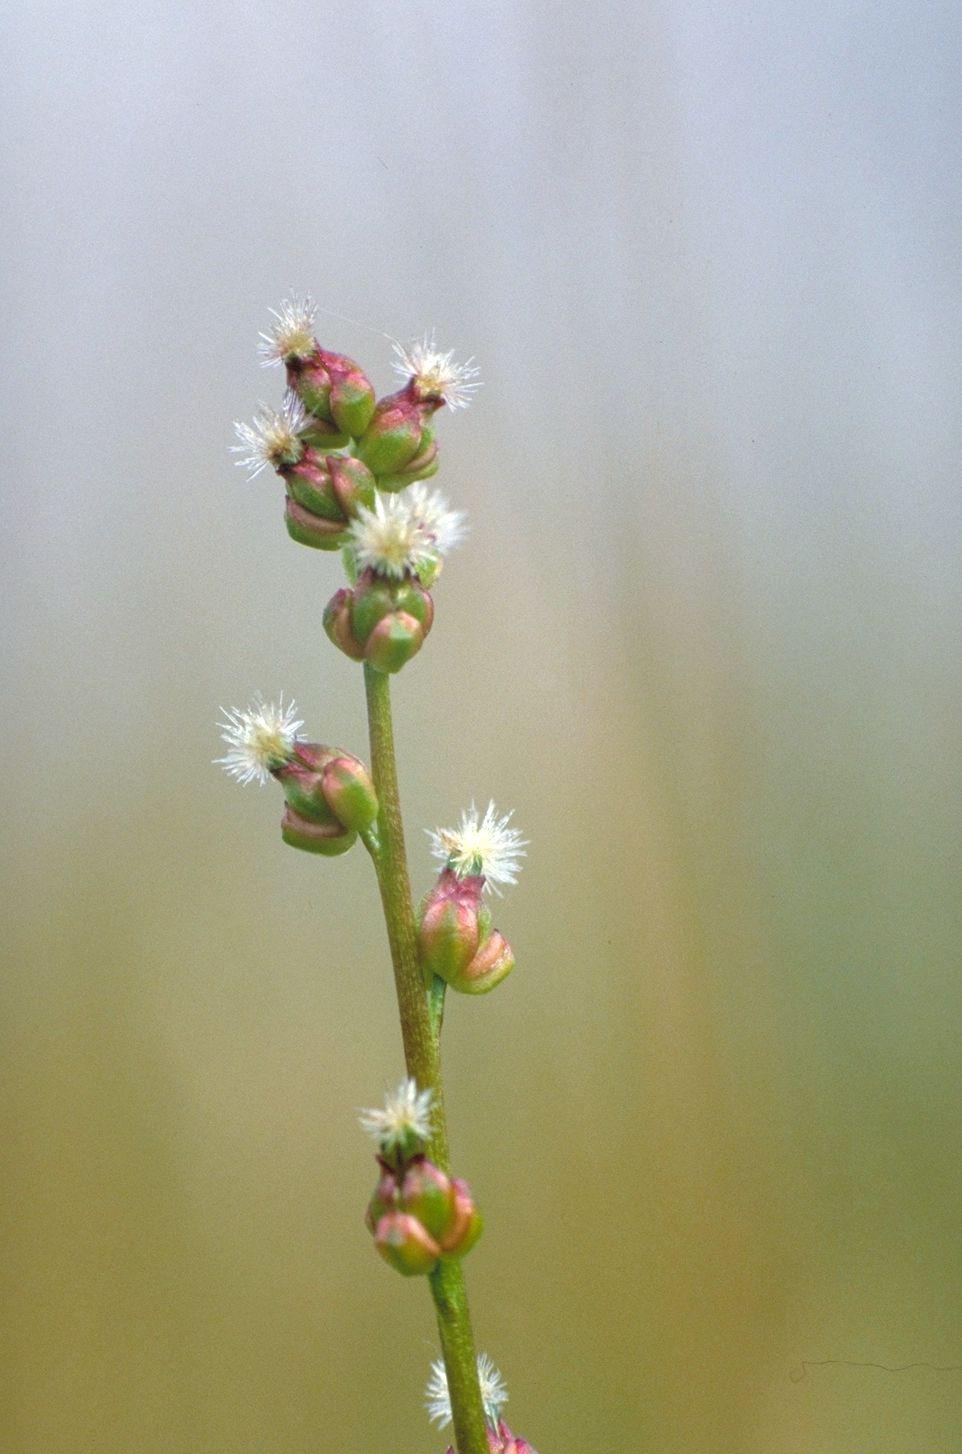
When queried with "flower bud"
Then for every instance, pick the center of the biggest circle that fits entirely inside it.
(324, 494)
(337, 623)
(383, 1198)
(330, 799)
(380, 621)
(455, 936)
(321, 435)
(349, 792)
(405, 1244)
(335, 389)
(502, 1441)
(398, 439)
(493, 962)
(451, 926)
(330, 839)
(426, 1193)
(424, 464)
(466, 1225)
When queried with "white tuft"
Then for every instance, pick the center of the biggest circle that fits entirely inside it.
(273, 438)
(481, 845)
(291, 335)
(406, 1116)
(437, 1399)
(389, 540)
(405, 532)
(429, 509)
(262, 738)
(435, 375)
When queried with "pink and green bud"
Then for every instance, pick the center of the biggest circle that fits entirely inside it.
(405, 1244)
(455, 936)
(384, 1198)
(502, 1441)
(418, 1214)
(349, 792)
(381, 621)
(398, 443)
(329, 839)
(425, 463)
(324, 495)
(466, 1225)
(323, 436)
(335, 389)
(330, 799)
(426, 1193)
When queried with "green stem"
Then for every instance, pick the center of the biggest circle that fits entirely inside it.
(422, 1055)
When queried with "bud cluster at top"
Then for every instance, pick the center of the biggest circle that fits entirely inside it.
(353, 467)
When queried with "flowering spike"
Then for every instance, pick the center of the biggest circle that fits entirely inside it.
(274, 437)
(433, 376)
(494, 1394)
(404, 1125)
(291, 335)
(485, 846)
(260, 740)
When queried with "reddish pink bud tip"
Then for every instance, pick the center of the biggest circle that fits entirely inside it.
(405, 1244)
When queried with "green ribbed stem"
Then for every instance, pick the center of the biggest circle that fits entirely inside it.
(421, 1054)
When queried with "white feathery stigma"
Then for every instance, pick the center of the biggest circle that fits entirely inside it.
(435, 374)
(437, 1399)
(291, 334)
(481, 845)
(406, 1116)
(273, 438)
(405, 532)
(389, 539)
(258, 739)
(429, 509)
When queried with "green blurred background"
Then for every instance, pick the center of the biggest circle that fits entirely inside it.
(704, 638)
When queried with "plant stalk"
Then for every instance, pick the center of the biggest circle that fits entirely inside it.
(421, 1054)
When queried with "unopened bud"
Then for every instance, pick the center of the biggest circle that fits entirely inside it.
(428, 1195)
(330, 799)
(325, 493)
(335, 389)
(349, 792)
(322, 435)
(383, 1198)
(380, 621)
(398, 436)
(502, 1441)
(466, 1225)
(405, 1244)
(337, 624)
(425, 463)
(493, 962)
(330, 839)
(455, 936)
(453, 919)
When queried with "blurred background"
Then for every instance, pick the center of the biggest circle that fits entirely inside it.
(703, 638)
